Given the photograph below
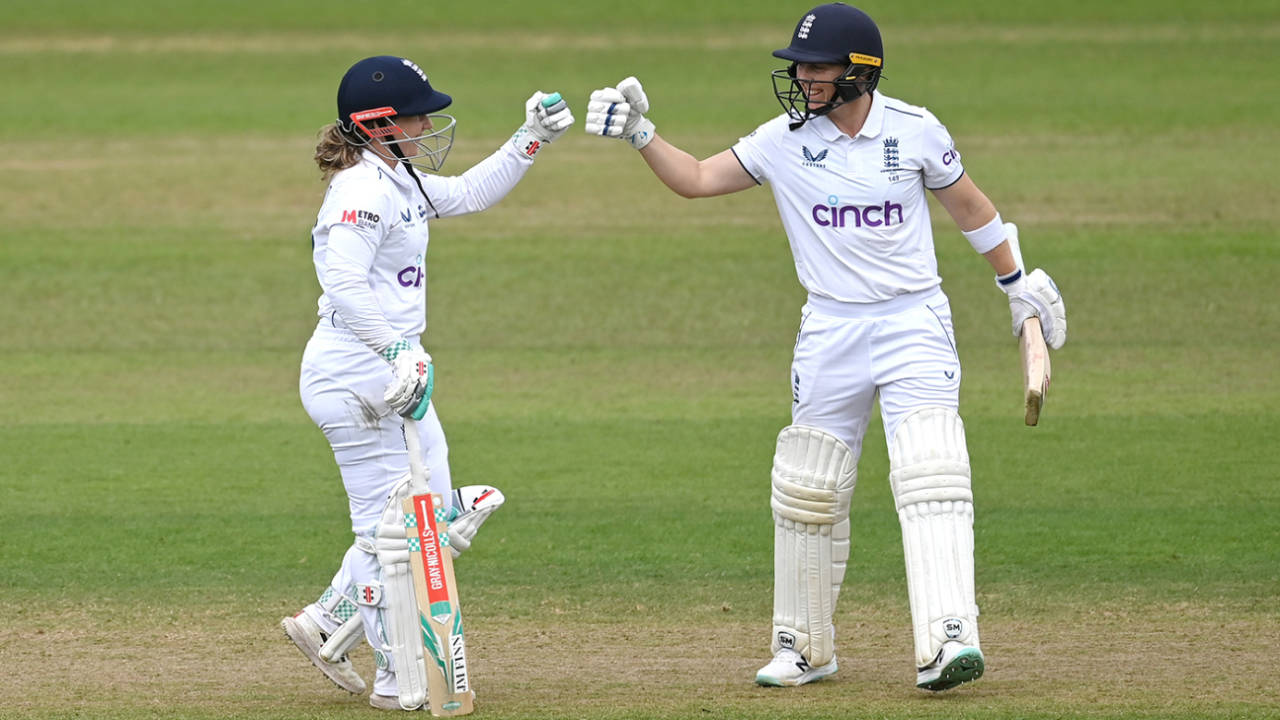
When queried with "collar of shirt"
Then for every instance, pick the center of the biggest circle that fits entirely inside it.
(399, 176)
(871, 127)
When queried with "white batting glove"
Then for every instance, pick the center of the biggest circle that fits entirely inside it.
(1036, 295)
(547, 117)
(619, 112)
(409, 394)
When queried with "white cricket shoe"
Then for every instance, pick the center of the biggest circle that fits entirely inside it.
(306, 634)
(789, 668)
(956, 663)
(389, 702)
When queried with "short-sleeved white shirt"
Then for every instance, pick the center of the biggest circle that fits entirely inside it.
(854, 208)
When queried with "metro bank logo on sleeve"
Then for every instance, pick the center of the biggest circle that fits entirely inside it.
(360, 218)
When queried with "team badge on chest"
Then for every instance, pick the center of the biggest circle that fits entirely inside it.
(891, 169)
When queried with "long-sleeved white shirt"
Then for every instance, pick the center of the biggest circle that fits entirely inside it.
(370, 239)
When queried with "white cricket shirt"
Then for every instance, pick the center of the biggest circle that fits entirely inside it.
(370, 239)
(854, 208)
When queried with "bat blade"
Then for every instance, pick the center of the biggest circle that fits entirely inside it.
(440, 617)
(1035, 370)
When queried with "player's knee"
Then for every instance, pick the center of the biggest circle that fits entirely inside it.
(928, 461)
(813, 477)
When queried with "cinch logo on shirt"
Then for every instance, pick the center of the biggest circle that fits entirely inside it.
(412, 275)
(833, 214)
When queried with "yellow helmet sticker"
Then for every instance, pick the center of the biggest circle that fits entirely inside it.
(860, 59)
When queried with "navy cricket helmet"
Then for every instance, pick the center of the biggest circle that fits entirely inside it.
(377, 89)
(388, 81)
(832, 34)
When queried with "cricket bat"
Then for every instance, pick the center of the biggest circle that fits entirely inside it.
(1035, 369)
(436, 591)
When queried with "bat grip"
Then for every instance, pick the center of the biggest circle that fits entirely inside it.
(417, 469)
(553, 103)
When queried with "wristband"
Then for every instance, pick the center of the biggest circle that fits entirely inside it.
(988, 237)
(1011, 278)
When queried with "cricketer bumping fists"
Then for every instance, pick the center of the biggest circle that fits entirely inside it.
(618, 112)
(546, 118)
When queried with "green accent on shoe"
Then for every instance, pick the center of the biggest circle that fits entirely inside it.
(966, 666)
(767, 681)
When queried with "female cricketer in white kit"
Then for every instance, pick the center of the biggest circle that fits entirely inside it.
(364, 368)
(848, 167)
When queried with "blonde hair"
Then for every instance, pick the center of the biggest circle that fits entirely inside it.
(333, 152)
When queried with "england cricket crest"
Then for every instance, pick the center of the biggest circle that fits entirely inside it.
(427, 530)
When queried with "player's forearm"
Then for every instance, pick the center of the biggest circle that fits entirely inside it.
(492, 178)
(676, 168)
(1001, 259)
(976, 216)
(348, 291)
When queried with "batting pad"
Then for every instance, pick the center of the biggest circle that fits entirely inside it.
(929, 471)
(814, 473)
(400, 616)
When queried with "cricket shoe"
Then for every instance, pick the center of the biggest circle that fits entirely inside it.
(956, 663)
(389, 702)
(307, 635)
(789, 668)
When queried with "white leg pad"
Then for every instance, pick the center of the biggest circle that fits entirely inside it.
(342, 609)
(343, 640)
(400, 617)
(929, 471)
(814, 473)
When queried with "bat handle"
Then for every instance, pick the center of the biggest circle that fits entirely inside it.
(553, 103)
(417, 469)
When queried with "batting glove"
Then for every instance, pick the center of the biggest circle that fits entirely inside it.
(547, 117)
(619, 112)
(1036, 295)
(409, 394)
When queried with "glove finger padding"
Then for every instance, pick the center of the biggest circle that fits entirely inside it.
(619, 113)
(634, 93)
(531, 105)
(543, 124)
(607, 113)
(558, 121)
(1053, 311)
(1036, 295)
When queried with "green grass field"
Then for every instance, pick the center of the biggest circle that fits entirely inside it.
(616, 359)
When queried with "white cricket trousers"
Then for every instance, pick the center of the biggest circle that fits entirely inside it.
(846, 353)
(341, 384)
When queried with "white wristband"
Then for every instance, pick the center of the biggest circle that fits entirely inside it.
(988, 237)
